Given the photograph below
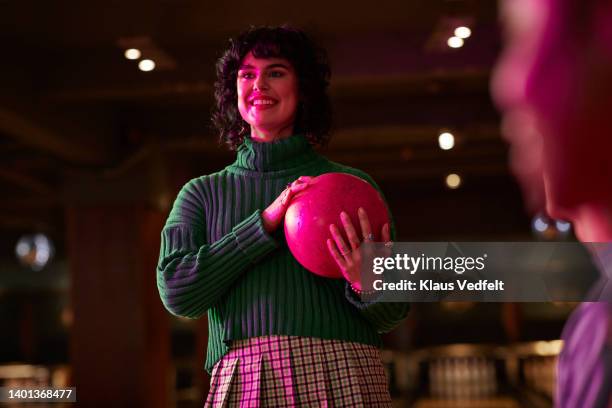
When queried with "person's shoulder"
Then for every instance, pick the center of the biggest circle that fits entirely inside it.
(198, 188)
(586, 348)
(191, 193)
(202, 184)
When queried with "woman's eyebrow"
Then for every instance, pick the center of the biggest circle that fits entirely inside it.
(277, 65)
(271, 66)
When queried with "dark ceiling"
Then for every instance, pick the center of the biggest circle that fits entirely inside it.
(81, 124)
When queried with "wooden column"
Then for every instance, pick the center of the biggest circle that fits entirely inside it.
(119, 348)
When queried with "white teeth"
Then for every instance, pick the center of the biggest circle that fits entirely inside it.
(263, 102)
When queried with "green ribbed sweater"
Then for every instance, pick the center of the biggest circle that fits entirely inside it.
(216, 257)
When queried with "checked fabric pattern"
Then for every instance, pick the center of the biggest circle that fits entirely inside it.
(286, 371)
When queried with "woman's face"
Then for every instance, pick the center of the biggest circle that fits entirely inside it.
(555, 105)
(267, 94)
(523, 23)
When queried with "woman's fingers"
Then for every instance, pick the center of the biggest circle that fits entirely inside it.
(386, 237)
(333, 250)
(285, 196)
(274, 213)
(364, 222)
(386, 233)
(301, 181)
(295, 187)
(348, 260)
(344, 249)
(300, 184)
(350, 230)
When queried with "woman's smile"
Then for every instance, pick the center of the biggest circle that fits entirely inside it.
(267, 96)
(262, 102)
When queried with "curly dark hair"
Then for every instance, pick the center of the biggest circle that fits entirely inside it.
(313, 116)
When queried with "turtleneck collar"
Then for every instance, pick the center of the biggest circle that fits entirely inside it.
(284, 154)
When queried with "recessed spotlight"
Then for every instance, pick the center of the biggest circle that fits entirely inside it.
(463, 32)
(455, 42)
(146, 65)
(446, 141)
(453, 181)
(132, 53)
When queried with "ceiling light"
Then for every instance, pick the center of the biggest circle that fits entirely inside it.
(463, 32)
(455, 42)
(446, 141)
(132, 53)
(146, 65)
(453, 181)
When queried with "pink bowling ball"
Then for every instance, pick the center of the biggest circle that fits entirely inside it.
(312, 211)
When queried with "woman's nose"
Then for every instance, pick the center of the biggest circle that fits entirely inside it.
(508, 82)
(260, 83)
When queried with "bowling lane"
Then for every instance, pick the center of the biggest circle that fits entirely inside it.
(474, 375)
(499, 402)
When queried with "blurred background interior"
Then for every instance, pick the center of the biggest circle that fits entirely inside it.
(104, 115)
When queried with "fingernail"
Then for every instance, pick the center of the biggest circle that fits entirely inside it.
(343, 214)
(361, 210)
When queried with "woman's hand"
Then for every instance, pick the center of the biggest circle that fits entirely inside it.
(349, 256)
(274, 214)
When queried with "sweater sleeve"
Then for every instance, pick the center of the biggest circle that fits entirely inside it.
(384, 316)
(192, 274)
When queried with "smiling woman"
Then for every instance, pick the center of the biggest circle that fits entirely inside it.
(267, 97)
(278, 334)
(301, 62)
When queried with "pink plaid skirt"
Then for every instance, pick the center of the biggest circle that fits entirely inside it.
(283, 371)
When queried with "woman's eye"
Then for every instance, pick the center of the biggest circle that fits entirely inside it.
(276, 74)
(247, 75)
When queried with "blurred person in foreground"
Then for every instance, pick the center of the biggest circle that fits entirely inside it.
(554, 85)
